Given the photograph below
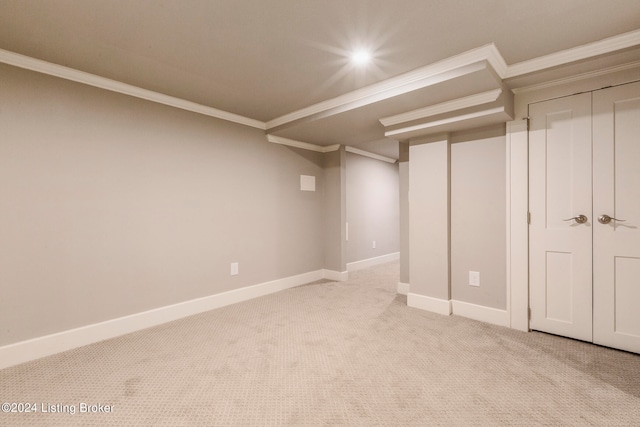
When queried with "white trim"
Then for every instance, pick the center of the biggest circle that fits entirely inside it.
(517, 225)
(336, 276)
(417, 79)
(590, 50)
(304, 145)
(403, 288)
(368, 154)
(366, 263)
(576, 78)
(445, 107)
(434, 305)
(480, 312)
(495, 59)
(508, 216)
(406, 132)
(36, 348)
(67, 73)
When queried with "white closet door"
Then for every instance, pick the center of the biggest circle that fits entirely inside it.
(560, 189)
(616, 192)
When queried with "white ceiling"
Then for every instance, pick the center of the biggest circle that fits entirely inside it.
(263, 59)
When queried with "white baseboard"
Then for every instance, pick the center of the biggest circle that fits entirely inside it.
(403, 288)
(435, 305)
(25, 351)
(479, 312)
(366, 263)
(335, 275)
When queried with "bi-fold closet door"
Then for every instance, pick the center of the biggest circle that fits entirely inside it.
(584, 199)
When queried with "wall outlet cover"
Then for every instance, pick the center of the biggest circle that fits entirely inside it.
(474, 278)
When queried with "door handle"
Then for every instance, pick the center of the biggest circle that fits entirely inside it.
(606, 219)
(580, 219)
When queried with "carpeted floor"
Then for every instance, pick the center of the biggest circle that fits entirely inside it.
(330, 353)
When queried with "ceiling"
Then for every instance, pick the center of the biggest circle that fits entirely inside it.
(265, 59)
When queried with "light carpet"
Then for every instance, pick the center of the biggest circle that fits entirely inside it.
(330, 353)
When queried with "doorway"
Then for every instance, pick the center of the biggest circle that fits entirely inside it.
(584, 232)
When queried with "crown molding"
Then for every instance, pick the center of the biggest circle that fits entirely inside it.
(44, 67)
(416, 130)
(449, 68)
(494, 57)
(304, 145)
(601, 47)
(577, 77)
(445, 107)
(368, 154)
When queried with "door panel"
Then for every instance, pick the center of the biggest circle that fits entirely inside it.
(625, 318)
(558, 298)
(616, 178)
(559, 189)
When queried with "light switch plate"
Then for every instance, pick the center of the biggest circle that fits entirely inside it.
(234, 269)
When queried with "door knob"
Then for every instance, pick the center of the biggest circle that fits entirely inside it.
(580, 219)
(606, 219)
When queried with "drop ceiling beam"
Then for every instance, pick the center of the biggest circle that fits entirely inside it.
(337, 106)
(445, 107)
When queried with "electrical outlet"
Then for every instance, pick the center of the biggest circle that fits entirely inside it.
(374, 244)
(234, 269)
(474, 278)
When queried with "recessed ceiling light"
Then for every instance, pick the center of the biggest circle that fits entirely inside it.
(360, 57)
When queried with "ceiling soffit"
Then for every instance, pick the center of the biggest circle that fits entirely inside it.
(444, 107)
(429, 75)
(474, 109)
(482, 110)
(360, 126)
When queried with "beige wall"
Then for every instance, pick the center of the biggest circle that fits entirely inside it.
(429, 183)
(457, 214)
(334, 210)
(403, 171)
(373, 207)
(112, 205)
(478, 216)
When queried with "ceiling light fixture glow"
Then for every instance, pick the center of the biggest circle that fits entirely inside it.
(360, 57)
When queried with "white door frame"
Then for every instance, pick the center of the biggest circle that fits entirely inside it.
(517, 177)
(517, 148)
